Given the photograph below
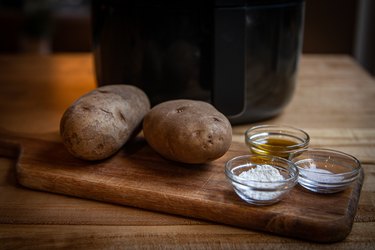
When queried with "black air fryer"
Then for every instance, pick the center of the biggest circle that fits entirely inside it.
(239, 55)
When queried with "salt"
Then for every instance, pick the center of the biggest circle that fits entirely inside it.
(320, 175)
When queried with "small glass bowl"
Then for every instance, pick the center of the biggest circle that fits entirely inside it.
(262, 192)
(276, 140)
(326, 170)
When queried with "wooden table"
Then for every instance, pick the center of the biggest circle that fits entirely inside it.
(334, 102)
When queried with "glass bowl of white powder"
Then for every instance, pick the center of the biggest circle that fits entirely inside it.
(326, 170)
(261, 179)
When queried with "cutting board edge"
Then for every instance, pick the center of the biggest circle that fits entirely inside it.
(341, 227)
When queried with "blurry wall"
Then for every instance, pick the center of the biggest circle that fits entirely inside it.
(47, 26)
(330, 26)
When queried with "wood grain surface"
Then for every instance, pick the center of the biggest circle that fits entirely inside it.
(137, 176)
(334, 102)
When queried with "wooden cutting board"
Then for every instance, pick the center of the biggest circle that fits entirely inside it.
(137, 176)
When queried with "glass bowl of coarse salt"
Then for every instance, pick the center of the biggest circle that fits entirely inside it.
(326, 170)
(261, 179)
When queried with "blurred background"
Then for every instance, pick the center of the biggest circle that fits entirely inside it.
(56, 26)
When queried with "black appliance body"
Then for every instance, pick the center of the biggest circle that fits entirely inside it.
(240, 55)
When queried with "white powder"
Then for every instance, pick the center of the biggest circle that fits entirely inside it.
(262, 173)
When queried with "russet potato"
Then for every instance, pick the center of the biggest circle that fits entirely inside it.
(187, 131)
(99, 123)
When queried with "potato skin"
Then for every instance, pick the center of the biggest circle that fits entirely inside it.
(187, 131)
(99, 123)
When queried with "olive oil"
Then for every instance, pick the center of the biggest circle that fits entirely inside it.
(281, 147)
(282, 141)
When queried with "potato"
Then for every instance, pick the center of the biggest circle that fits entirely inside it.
(99, 123)
(187, 131)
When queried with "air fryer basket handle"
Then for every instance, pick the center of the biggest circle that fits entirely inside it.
(229, 60)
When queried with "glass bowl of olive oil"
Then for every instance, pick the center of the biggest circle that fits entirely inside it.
(277, 140)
